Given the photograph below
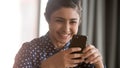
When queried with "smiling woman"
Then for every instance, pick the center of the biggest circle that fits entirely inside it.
(63, 17)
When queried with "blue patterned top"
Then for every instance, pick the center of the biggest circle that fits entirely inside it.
(33, 53)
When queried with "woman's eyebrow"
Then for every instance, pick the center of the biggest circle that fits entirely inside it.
(60, 18)
(74, 19)
(64, 18)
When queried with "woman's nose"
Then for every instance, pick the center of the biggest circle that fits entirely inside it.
(66, 28)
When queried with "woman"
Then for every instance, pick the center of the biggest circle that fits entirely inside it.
(52, 50)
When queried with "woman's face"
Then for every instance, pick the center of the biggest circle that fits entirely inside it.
(63, 25)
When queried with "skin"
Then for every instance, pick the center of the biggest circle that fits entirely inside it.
(63, 25)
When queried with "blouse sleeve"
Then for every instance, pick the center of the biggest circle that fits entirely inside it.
(23, 59)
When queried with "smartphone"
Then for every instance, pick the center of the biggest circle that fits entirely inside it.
(78, 41)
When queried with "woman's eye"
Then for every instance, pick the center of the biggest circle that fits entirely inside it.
(59, 20)
(73, 22)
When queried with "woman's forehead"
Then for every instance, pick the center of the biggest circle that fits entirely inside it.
(66, 12)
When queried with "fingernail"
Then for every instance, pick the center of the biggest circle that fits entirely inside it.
(91, 62)
(79, 48)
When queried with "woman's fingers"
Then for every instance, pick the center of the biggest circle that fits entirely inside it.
(71, 50)
(72, 59)
(92, 54)
(89, 53)
(88, 47)
(96, 60)
(76, 61)
(75, 55)
(93, 58)
(71, 65)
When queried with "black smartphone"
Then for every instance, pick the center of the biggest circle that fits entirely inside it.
(78, 41)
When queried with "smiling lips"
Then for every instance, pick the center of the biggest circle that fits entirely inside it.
(64, 36)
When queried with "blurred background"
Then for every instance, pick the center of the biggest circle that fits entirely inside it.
(23, 20)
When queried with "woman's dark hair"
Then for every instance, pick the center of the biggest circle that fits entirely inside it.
(54, 5)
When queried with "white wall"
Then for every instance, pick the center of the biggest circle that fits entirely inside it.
(30, 20)
(18, 23)
(10, 31)
(43, 23)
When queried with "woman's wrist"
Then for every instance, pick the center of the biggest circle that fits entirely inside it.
(47, 64)
(99, 64)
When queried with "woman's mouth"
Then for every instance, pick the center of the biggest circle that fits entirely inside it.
(64, 36)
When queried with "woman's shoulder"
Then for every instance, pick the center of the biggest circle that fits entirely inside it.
(36, 43)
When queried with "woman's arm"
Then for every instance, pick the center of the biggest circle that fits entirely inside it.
(93, 56)
(63, 59)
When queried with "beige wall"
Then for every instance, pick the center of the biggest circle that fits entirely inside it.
(30, 9)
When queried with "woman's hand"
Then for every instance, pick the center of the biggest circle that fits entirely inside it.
(63, 59)
(93, 56)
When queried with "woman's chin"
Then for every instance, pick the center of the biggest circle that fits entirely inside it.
(64, 41)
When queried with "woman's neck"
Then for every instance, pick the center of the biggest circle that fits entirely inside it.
(55, 42)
